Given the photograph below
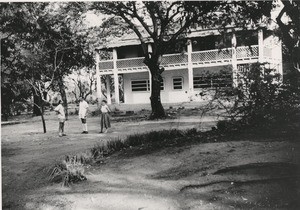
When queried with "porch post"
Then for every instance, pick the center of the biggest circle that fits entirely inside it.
(116, 77)
(150, 53)
(280, 67)
(98, 77)
(108, 89)
(150, 81)
(190, 69)
(260, 46)
(234, 61)
(149, 49)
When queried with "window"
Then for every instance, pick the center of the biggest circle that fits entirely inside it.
(140, 85)
(177, 83)
(144, 85)
(209, 81)
(162, 84)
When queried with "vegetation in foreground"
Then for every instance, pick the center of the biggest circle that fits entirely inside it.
(263, 107)
(71, 170)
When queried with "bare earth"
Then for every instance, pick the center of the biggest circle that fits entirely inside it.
(257, 175)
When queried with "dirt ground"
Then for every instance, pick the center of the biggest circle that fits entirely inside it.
(244, 174)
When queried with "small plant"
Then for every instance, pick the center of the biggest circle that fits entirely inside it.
(70, 170)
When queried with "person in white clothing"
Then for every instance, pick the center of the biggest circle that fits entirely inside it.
(60, 111)
(83, 109)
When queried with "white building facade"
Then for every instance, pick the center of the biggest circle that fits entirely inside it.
(202, 66)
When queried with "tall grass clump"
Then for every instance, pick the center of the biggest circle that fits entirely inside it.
(70, 170)
(153, 138)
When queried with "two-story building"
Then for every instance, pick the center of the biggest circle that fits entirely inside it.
(209, 60)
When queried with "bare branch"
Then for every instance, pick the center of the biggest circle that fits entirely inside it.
(140, 19)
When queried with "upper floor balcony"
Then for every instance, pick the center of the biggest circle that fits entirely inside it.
(216, 57)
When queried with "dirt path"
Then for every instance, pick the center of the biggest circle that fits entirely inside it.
(174, 178)
(27, 152)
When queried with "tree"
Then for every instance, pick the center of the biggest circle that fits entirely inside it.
(65, 40)
(13, 88)
(290, 33)
(52, 30)
(164, 22)
(84, 84)
(43, 42)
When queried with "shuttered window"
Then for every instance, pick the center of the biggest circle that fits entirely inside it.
(140, 85)
(144, 85)
(177, 83)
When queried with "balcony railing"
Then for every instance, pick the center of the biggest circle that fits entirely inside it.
(173, 61)
(202, 57)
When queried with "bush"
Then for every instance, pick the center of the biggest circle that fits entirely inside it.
(261, 99)
(70, 170)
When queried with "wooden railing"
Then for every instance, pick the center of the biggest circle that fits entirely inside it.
(172, 61)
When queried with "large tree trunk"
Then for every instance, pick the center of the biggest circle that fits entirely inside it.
(158, 111)
(63, 95)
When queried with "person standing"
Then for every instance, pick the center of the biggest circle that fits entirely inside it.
(104, 116)
(83, 108)
(60, 111)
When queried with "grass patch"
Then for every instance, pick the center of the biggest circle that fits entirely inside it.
(151, 139)
(70, 170)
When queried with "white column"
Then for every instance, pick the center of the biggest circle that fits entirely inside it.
(150, 49)
(234, 60)
(190, 69)
(280, 67)
(108, 89)
(116, 78)
(260, 46)
(98, 79)
(150, 79)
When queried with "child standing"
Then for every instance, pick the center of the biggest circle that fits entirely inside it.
(83, 109)
(60, 111)
(104, 116)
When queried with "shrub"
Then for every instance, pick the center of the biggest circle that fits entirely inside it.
(70, 170)
(261, 99)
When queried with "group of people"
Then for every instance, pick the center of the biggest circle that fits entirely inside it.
(83, 111)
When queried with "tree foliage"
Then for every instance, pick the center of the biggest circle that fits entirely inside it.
(41, 43)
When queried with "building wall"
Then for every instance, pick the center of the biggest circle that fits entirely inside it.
(169, 94)
(273, 42)
(131, 97)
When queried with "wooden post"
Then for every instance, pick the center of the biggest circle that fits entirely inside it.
(260, 46)
(98, 79)
(150, 76)
(190, 70)
(280, 67)
(108, 89)
(116, 77)
(234, 61)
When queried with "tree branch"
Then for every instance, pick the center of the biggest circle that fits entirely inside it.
(140, 19)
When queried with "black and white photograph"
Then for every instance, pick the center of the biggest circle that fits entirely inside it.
(150, 105)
